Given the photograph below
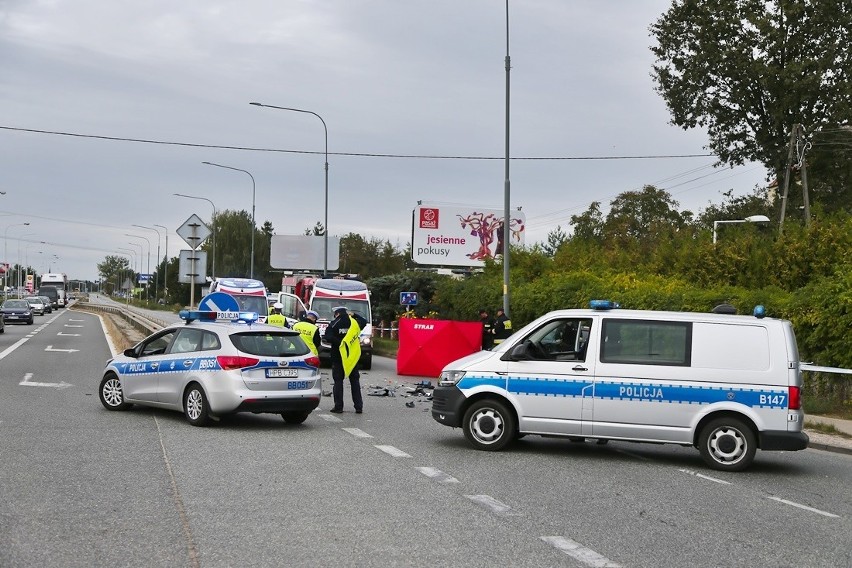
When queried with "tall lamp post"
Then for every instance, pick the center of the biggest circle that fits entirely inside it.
(213, 222)
(141, 252)
(325, 221)
(148, 269)
(165, 264)
(131, 255)
(20, 266)
(156, 280)
(751, 219)
(506, 184)
(251, 273)
(6, 251)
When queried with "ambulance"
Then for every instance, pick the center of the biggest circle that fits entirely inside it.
(329, 293)
(725, 384)
(250, 294)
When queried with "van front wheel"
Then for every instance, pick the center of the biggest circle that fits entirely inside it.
(489, 425)
(727, 444)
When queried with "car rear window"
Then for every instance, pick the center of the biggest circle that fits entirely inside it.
(270, 344)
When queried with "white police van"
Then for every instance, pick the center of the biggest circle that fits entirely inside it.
(726, 384)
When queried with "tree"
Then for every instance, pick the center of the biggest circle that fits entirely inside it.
(318, 230)
(555, 239)
(113, 271)
(748, 70)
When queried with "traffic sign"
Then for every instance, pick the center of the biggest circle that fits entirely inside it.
(408, 298)
(218, 302)
(193, 231)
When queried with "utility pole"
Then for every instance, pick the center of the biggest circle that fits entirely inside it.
(788, 172)
(803, 164)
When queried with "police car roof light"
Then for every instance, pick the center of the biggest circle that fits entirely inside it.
(759, 311)
(603, 305)
(203, 315)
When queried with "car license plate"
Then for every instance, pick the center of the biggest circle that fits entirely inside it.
(281, 373)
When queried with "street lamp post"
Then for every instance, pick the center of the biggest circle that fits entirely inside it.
(156, 280)
(141, 252)
(251, 270)
(148, 269)
(20, 266)
(6, 252)
(325, 221)
(213, 222)
(506, 184)
(750, 219)
(131, 255)
(165, 265)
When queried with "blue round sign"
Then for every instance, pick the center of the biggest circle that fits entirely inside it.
(218, 302)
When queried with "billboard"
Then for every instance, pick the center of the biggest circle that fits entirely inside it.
(461, 236)
(303, 252)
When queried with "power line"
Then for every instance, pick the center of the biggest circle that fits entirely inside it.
(354, 154)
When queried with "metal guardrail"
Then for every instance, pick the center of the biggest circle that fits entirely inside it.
(138, 320)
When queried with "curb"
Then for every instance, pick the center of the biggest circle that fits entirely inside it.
(830, 448)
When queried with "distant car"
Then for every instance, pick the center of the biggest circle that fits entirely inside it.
(17, 311)
(37, 304)
(48, 305)
(207, 367)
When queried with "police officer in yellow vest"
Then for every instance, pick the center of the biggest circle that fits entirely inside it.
(307, 327)
(344, 336)
(276, 318)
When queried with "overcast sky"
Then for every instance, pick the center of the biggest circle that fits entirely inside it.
(409, 78)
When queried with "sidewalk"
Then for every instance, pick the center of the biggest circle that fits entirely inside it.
(832, 443)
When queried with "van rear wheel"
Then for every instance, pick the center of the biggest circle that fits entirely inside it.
(727, 444)
(489, 425)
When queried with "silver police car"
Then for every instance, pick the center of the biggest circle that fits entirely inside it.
(207, 367)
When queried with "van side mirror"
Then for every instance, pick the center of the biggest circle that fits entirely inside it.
(519, 352)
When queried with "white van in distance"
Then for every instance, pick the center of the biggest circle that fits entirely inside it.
(725, 384)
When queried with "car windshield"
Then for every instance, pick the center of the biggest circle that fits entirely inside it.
(270, 344)
(16, 304)
(33, 300)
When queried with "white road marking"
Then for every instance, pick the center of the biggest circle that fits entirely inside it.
(437, 475)
(357, 432)
(14, 346)
(579, 552)
(329, 418)
(805, 507)
(395, 452)
(69, 319)
(69, 334)
(66, 325)
(707, 477)
(50, 348)
(493, 505)
(28, 383)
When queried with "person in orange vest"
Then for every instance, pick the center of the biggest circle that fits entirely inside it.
(307, 327)
(343, 334)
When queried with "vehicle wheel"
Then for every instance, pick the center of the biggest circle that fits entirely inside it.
(727, 444)
(111, 393)
(489, 425)
(295, 417)
(367, 362)
(195, 405)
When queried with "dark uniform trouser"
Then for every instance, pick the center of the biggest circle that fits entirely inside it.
(337, 374)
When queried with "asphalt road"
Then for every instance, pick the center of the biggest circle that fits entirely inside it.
(82, 486)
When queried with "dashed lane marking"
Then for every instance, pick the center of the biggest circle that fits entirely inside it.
(707, 477)
(329, 418)
(805, 507)
(437, 475)
(579, 552)
(395, 452)
(357, 432)
(493, 505)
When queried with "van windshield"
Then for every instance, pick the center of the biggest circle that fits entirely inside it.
(325, 307)
(252, 304)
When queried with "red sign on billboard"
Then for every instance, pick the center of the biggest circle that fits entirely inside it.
(428, 218)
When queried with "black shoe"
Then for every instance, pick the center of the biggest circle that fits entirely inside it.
(359, 411)
(336, 410)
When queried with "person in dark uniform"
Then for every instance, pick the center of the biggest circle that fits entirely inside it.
(337, 330)
(487, 329)
(502, 326)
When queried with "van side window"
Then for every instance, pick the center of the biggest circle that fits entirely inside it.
(644, 342)
(560, 340)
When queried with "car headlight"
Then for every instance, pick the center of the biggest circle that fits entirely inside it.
(366, 340)
(450, 378)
